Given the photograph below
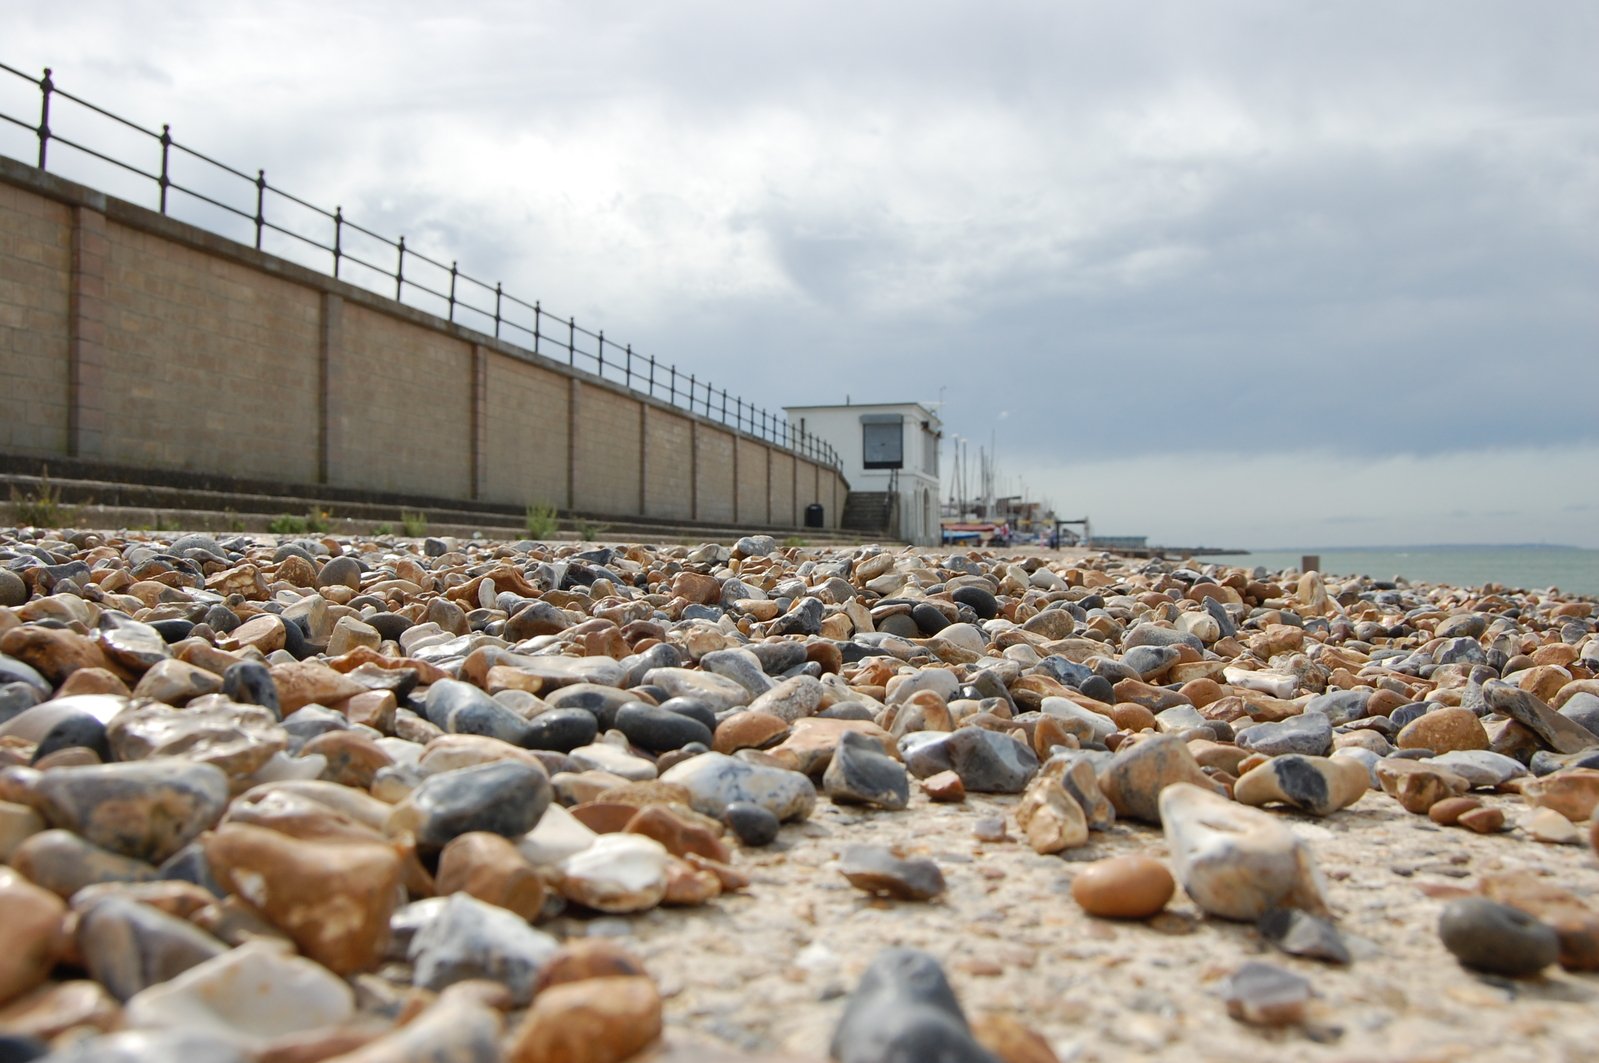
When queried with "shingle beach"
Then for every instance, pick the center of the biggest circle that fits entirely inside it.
(380, 799)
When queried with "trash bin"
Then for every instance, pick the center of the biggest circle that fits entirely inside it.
(813, 516)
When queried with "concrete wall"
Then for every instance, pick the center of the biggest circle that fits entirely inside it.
(130, 338)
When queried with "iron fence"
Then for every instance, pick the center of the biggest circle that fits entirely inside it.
(289, 226)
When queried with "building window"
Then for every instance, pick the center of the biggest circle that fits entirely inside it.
(883, 441)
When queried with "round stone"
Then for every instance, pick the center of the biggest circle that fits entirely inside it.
(1497, 938)
(1124, 887)
(753, 825)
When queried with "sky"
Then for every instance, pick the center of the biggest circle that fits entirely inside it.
(1247, 273)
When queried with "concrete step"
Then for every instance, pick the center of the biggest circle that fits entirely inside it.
(203, 504)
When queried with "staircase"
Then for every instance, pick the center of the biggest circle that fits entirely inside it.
(871, 513)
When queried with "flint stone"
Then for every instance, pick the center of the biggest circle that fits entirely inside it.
(1481, 768)
(988, 761)
(148, 1046)
(1309, 734)
(461, 708)
(715, 780)
(792, 699)
(616, 873)
(63, 863)
(238, 739)
(146, 811)
(660, 730)
(716, 691)
(469, 939)
(128, 946)
(1317, 785)
(1301, 934)
(742, 666)
(1236, 862)
(1264, 995)
(1554, 730)
(904, 1011)
(247, 996)
(505, 797)
(1076, 773)
(1134, 779)
(861, 773)
(1497, 938)
(561, 730)
(876, 870)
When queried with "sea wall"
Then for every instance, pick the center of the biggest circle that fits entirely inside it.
(130, 338)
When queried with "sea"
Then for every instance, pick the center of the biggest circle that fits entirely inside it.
(1572, 569)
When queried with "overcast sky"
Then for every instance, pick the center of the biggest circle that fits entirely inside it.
(1234, 273)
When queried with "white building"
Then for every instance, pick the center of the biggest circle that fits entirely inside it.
(887, 448)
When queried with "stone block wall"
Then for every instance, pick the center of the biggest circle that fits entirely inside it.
(129, 338)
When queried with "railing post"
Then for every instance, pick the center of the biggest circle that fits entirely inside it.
(453, 272)
(165, 179)
(691, 393)
(260, 205)
(672, 393)
(498, 295)
(724, 405)
(338, 239)
(571, 341)
(652, 376)
(600, 358)
(536, 313)
(399, 273)
(628, 375)
(46, 87)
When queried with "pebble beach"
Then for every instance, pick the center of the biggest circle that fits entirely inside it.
(383, 799)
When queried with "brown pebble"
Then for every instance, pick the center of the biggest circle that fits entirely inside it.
(1124, 887)
(595, 1020)
(945, 786)
(1483, 820)
(1448, 811)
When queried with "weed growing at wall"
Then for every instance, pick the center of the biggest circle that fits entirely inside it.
(541, 522)
(40, 507)
(415, 524)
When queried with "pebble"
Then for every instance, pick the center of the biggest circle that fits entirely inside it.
(617, 873)
(467, 940)
(861, 773)
(1136, 777)
(330, 728)
(1233, 861)
(904, 1008)
(1124, 887)
(716, 780)
(1299, 933)
(1310, 735)
(1317, 785)
(875, 870)
(35, 935)
(250, 995)
(333, 899)
(506, 798)
(146, 811)
(127, 946)
(594, 1020)
(1496, 938)
(1049, 818)
(1573, 792)
(1262, 994)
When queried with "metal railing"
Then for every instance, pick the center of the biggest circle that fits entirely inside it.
(292, 225)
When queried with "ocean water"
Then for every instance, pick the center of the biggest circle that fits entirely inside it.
(1569, 568)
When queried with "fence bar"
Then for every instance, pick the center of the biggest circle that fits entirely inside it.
(260, 205)
(734, 410)
(166, 151)
(46, 86)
